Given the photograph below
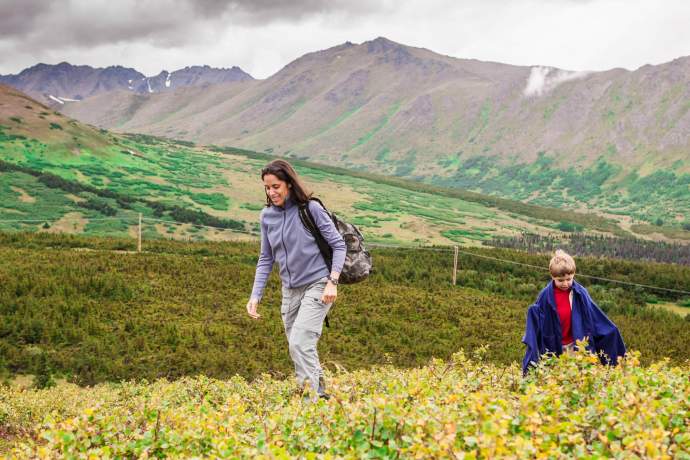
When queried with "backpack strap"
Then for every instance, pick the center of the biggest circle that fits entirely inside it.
(309, 223)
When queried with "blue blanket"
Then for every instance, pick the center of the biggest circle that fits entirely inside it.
(543, 330)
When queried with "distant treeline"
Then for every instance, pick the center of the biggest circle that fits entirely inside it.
(174, 212)
(580, 244)
(179, 308)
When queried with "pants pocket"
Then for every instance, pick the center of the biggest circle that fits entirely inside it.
(315, 292)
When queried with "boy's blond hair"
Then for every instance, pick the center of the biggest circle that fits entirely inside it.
(561, 264)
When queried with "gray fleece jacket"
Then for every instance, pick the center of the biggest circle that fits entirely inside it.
(285, 240)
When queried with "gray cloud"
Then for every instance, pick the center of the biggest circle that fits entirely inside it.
(59, 23)
(257, 10)
(270, 10)
(261, 36)
(17, 19)
(42, 25)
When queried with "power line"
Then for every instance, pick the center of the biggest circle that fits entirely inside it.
(678, 291)
(579, 274)
(497, 259)
(393, 246)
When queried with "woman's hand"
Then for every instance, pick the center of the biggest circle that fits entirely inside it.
(252, 305)
(330, 292)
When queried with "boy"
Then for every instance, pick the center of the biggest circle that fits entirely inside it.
(564, 313)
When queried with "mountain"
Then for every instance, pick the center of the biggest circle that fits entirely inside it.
(92, 173)
(356, 103)
(190, 76)
(349, 101)
(577, 140)
(65, 83)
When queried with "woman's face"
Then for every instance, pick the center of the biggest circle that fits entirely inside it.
(276, 189)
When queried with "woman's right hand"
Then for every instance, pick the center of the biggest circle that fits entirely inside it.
(252, 305)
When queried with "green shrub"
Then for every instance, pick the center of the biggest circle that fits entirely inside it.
(569, 227)
(87, 300)
(42, 376)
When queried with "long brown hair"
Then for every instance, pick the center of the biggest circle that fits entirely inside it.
(285, 172)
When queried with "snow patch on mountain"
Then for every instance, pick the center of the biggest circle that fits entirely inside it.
(61, 100)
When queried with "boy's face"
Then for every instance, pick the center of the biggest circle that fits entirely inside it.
(563, 282)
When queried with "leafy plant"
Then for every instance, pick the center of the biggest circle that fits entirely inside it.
(569, 407)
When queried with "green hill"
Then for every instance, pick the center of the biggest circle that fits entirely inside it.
(115, 177)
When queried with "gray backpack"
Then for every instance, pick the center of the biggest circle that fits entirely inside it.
(357, 259)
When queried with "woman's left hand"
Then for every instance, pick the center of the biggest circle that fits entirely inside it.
(329, 293)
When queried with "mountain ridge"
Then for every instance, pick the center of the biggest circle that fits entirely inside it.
(425, 67)
(602, 140)
(57, 84)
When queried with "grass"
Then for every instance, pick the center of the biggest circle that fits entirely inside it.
(459, 408)
(662, 194)
(174, 315)
(672, 307)
(173, 174)
(101, 312)
(392, 110)
(226, 185)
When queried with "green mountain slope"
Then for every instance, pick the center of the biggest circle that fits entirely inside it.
(111, 178)
(615, 142)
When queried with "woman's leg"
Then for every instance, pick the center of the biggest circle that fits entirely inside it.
(305, 332)
(289, 307)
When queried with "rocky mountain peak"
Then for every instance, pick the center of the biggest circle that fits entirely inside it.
(64, 82)
(382, 45)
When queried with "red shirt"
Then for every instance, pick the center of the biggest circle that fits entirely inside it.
(564, 310)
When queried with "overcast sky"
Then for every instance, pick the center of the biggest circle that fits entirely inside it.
(261, 36)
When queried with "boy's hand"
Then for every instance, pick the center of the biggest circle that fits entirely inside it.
(252, 305)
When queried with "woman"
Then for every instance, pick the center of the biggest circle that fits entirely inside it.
(309, 289)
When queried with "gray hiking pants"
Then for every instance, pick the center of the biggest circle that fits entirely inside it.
(303, 314)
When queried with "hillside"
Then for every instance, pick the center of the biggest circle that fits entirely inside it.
(23, 120)
(615, 141)
(110, 178)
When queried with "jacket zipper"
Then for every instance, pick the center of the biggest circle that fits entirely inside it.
(282, 239)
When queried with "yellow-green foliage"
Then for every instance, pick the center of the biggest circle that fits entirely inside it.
(570, 407)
